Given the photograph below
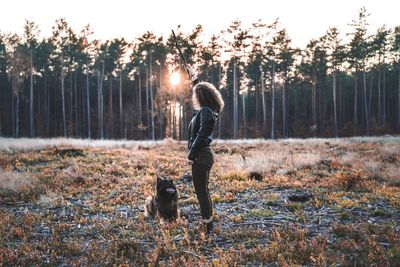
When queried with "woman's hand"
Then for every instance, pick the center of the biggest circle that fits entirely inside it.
(191, 159)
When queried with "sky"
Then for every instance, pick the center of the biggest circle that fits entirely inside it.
(304, 19)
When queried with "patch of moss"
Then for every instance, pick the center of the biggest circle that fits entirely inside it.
(294, 206)
(260, 213)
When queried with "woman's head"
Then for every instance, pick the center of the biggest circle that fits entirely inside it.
(205, 94)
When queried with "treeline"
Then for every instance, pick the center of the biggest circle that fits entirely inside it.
(72, 85)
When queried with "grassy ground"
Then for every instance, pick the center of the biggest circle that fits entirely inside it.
(83, 205)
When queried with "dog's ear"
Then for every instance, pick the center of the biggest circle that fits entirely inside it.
(159, 180)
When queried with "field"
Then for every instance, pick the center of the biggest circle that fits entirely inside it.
(305, 202)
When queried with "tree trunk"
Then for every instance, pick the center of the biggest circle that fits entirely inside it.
(320, 116)
(120, 106)
(334, 105)
(12, 114)
(314, 107)
(17, 118)
(284, 134)
(365, 103)
(147, 104)
(355, 106)
(140, 103)
(39, 111)
(88, 105)
(244, 114)
(77, 127)
(264, 102)
(180, 116)
(398, 102)
(257, 108)
(379, 99)
(47, 106)
(171, 120)
(173, 114)
(100, 101)
(63, 101)
(220, 115)
(370, 95)
(31, 133)
(70, 124)
(297, 107)
(340, 115)
(151, 99)
(384, 97)
(340, 121)
(323, 104)
(273, 103)
(161, 113)
(110, 111)
(235, 102)
(2, 104)
(126, 126)
(4, 110)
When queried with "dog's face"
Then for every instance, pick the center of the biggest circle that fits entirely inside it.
(166, 188)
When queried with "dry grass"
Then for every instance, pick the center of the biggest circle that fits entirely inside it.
(81, 203)
(15, 187)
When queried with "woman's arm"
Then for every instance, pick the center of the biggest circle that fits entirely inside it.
(205, 130)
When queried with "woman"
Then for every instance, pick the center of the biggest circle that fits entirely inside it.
(207, 101)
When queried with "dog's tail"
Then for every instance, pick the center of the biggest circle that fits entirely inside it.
(149, 209)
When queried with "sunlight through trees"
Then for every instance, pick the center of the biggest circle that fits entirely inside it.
(70, 85)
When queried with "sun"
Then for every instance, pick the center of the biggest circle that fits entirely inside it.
(175, 78)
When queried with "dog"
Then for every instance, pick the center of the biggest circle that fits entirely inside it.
(164, 205)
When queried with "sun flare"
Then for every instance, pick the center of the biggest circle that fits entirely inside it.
(175, 78)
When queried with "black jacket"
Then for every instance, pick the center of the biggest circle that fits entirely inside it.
(200, 130)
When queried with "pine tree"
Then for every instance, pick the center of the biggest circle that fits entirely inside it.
(380, 49)
(237, 46)
(357, 54)
(61, 41)
(211, 68)
(45, 66)
(85, 58)
(31, 32)
(19, 66)
(285, 60)
(395, 47)
(3, 84)
(335, 59)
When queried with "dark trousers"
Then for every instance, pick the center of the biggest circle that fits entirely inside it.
(200, 172)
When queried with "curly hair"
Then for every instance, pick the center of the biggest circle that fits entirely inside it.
(205, 94)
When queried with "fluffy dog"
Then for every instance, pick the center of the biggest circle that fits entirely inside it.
(164, 204)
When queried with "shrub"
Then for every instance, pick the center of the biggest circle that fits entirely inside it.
(17, 187)
(349, 180)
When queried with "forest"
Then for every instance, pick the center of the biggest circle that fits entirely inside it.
(87, 126)
(71, 85)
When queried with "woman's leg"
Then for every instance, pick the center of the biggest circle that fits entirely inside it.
(200, 173)
(208, 192)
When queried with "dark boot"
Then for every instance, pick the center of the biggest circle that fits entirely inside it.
(208, 226)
